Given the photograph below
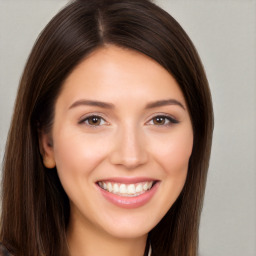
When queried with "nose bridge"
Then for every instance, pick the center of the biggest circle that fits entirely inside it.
(129, 149)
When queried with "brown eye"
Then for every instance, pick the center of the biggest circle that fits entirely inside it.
(159, 120)
(94, 121)
(163, 120)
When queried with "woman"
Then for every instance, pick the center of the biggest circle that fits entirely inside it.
(110, 139)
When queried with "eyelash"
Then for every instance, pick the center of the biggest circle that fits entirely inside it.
(168, 120)
(86, 120)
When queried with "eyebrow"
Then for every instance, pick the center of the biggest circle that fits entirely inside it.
(92, 103)
(162, 103)
(101, 104)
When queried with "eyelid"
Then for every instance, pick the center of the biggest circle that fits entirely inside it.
(85, 117)
(172, 120)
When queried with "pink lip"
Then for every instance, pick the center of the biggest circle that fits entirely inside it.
(129, 202)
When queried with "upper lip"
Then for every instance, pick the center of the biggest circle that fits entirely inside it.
(127, 180)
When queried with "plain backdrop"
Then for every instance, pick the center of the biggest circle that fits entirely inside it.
(224, 32)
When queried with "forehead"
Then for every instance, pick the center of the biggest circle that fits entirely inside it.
(112, 73)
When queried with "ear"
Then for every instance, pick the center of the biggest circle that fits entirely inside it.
(46, 149)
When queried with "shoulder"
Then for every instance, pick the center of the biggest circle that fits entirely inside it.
(4, 251)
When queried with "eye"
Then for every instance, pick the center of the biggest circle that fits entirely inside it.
(163, 120)
(93, 120)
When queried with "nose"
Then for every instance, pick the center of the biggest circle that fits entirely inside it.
(129, 148)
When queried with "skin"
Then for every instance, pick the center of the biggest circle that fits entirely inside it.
(128, 141)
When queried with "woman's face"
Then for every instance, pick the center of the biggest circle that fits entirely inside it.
(121, 141)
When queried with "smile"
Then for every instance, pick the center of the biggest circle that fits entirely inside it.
(128, 193)
(126, 190)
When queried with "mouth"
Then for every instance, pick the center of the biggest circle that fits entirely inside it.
(128, 193)
(127, 189)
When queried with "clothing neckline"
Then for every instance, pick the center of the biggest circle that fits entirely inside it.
(149, 251)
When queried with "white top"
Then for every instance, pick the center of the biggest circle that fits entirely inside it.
(150, 250)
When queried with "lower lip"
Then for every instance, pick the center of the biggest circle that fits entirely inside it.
(130, 202)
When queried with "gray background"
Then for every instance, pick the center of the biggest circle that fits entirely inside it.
(224, 33)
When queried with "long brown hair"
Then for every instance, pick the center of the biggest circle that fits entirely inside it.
(35, 208)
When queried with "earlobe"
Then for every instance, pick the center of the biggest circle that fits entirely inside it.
(46, 150)
(49, 162)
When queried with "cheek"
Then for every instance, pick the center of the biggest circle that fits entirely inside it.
(173, 153)
(78, 154)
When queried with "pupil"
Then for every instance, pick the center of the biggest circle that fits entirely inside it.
(159, 120)
(94, 120)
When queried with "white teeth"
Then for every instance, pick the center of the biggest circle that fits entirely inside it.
(150, 184)
(116, 188)
(138, 188)
(145, 186)
(126, 190)
(123, 189)
(109, 188)
(131, 189)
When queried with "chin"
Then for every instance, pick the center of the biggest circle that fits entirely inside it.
(129, 232)
(130, 228)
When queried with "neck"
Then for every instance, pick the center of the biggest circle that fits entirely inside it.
(90, 241)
